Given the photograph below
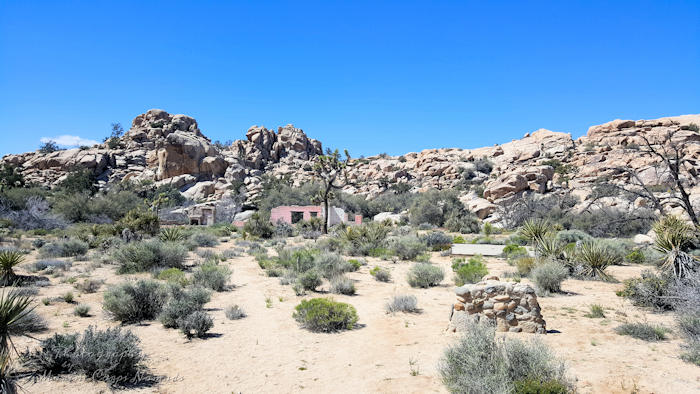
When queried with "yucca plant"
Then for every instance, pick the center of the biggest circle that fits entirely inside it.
(535, 229)
(14, 307)
(172, 234)
(673, 238)
(594, 259)
(8, 260)
(7, 381)
(549, 247)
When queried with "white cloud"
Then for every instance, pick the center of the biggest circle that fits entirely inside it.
(69, 141)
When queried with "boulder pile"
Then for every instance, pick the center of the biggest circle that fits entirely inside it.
(513, 307)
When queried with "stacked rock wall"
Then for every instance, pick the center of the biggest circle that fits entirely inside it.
(511, 306)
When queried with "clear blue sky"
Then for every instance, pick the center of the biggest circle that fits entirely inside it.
(376, 76)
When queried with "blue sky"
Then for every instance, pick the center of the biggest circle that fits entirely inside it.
(376, 76)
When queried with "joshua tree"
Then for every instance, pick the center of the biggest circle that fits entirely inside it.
(331, 170)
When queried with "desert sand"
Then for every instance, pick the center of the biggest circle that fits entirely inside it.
(268, 352)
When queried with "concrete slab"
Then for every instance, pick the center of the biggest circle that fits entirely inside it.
(482, 249)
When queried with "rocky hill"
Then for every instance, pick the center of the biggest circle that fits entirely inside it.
(170, 149)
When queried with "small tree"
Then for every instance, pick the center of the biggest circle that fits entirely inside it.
(48, 147)
(672, 159)
(331, 170)
(113, 139)
(10, 177)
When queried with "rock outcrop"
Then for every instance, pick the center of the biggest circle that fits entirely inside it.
(170, 149)
(512, 307)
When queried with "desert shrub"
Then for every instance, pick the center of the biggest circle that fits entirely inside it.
(196, 324)
(325, 315)
(309, 280)
(64, 248)
(259, 226)
(356, 264)
(82, 310)
(231, 253)
(54, 355)
(203, 239)
(573, 236)
(636, 257)
(283, 229)
(141, 221)
(235, 312)
(470, 272)
(402, 303)
(173, 275)
(110, 355)
(361, 240)
(548, 276)
(407, 247)
(425, 275)
(479, 363)
(51, 265)
(132, 302)
(176, 308)
(525, 265)
(89, 286)
(643, 331)
(342, 285)
(649, 290)
(68, 297)
(511, 251)
(537, 386)
(380, 274)
(29, 322)
(330, 264)
(437, 240)
(465, 224)
(148, 255)
(211, 276)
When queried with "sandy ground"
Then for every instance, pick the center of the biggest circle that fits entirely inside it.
(268, 352)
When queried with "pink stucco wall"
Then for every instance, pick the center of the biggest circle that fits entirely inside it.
(284, 213)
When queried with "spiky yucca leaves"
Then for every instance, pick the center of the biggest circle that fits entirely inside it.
(8, 260)
(172, 234)
(535, 229)
(549, 247)
(7, 381)
(370, 235)
(674, 237)
(594, 259)
(14, 307)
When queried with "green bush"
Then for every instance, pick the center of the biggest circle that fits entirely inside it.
(643, 331)
(470, 272)
(148, 255)
(173, 275)
(480, 363)
(141, 222)
(536, 386)
(82, 310)
(408, 247)
(325, 315)
(636, 257)
(511, 251)
(259, 226)
(548, 276)
(425, 275)
(132, 302)
(211, 276)
(309, 280)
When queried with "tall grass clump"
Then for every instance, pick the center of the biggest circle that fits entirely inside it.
(644, 331)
